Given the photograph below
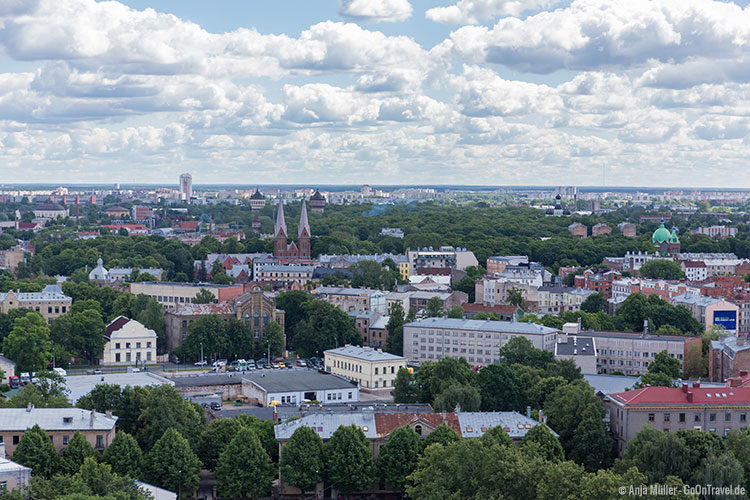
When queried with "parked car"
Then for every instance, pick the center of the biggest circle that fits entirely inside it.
(202, 362)
(215, 406)
(301, 362)
(14, 382)
(25, 378)
(218, 363)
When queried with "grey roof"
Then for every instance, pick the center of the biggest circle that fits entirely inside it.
(286, 267)
(517, 425)
(8, 466)
(729, 345)
(326, 425)
(286, 411)
(694, 299)
(51, 419)
(209, 379)
(482, 325)
(364, 353)
(575, 346)
(297, 381)
(262, 412)
(36, 296)
(638, 336)
(80, 385)
(610, 384)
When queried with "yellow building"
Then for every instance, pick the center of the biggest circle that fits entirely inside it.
(372, 368)
(50, 303)
(172, 295)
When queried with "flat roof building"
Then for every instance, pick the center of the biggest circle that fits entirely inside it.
(370, 368)
(299, 386)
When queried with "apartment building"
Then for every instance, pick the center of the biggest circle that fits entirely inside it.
(493, 290)
(58, 423)
(51, 303)
(709, 311)
(172, 294)
(479, 341)
(498, 263)
(710, 409)
(370, 368)
(631, 353)
(352, 299)
(285, 273)
(598, 281)
(557, 299)
(10, 258)
(453, 258)
(418, 300)
(729, 357)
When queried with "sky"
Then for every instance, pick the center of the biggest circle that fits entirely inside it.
(385, 92)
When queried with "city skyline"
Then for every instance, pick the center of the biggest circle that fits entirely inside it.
(455, 92)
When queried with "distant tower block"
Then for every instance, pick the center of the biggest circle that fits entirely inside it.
(186, 187)
(317, 202)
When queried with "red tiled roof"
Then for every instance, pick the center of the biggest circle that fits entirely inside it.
(684, 396)
(385, 423)
(188, 224)
(439, 271)
(129, 227)
(28, 225)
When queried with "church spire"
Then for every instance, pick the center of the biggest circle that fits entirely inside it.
(280, 220)
(304, 226)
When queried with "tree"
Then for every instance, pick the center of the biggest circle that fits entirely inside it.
(35, 450)
(433, 377)
(520, 350)
(273, 338)
(497, 436)
(215, 438)
(662, 269)
(499, 388)
(661, 371)
(657, 454)
(565, 368)
(592, 446)
(398, 457)
(433, 308)
(264, 430)
(171, 464)
(442, 434)
(325, 327)
(404, 387)
(464, 396)
(78, 450)
(594, 303)
(395, 327)
(547, 443)
(561, 481)
(293, 304)
(302, 459)
(204, 296)
(28, 343)
(456, 312)
(348, 460)
(124, 455)
(209, 331)
(244, 468)
(722, 470)
(515, 298)
(738, 444)
(164, 408)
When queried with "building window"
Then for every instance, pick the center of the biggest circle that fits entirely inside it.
(418, 429)
(682, 417)
(99, 441)
(117, 357)
(666, 417)
(117, 345)
(712, 417)
(727, 417)
(66, 439)
(743, 417)
(697, 417)
(376, 370)
(651, 417)
(329, 397)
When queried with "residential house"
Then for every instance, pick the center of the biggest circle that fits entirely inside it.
(129, 342)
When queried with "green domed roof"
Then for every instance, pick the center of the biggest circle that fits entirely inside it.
(661, 234)
(673, 237)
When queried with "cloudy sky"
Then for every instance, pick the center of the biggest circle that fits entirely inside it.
(622, 92)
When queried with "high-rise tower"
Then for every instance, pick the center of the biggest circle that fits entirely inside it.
(186, 187)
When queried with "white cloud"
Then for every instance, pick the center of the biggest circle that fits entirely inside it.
(599, 33)
(376, 11)
(476, 11)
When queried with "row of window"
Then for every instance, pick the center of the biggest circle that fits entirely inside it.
(697, 417)
(65, 439)
(57, 309)
(129, 357)
(127, 345)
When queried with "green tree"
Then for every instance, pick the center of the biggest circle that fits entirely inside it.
(738, 444)
(561, 481)
(499, 389)
(210, 331)
(273, 338)
(398, 457)
(594, 303)
(515, 298)
(164, 408)
(497, 436)
(171, 464)
(404, 387)
(293, 304)
(520, 350)
(433, 377)
(348, 460)
(550, 447)
(78, 450)
(35, 450)
(204, 296)
(464, 396)
(442, 434)
(302, 459)
(28, 343)
(264, 430)
(657, 454)
(325, 327)
(395, 327)
(662, 269)
(215, 438)
(433, 308)
(124, 455)
(456, 312)
(722, 470)
(244, 468)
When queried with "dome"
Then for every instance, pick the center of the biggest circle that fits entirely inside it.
(661, 235)
(566, 212)
(558, 197)
(673, 237)
(99, 273)
(257, 195)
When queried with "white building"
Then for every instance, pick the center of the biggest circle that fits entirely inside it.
(99, 273)
(299, 386)
(370, 368)
(186, 186)
(479, 341)
(582, 350)
(12, 475)
(8, 368)
(128, 343)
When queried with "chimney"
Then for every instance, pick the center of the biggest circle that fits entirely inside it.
(108, 413)
(690, 396)
(684, 387)
(541, 416)
(697, 384)
(528, 411)
(29, 407)
(92, 418)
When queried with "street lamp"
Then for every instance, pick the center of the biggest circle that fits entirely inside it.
(201, 353)
(179, 483)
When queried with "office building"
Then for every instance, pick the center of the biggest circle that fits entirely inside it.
(370, 368)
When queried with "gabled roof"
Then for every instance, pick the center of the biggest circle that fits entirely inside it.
(257, 195)
(317, 196)
(280, 221)
(684, 396)
(364, 353)
(115, 325)
(389, 422)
